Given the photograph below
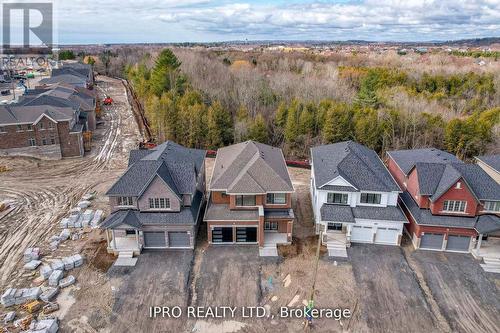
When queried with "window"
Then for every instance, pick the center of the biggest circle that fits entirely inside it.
(52, 140)
(3, 130)
(492, 206)
(454, 206)
(32, 142)
(159, 203)
(276, 198)
(337, 198)
(51, 125)
(19, 128)
(125, 201)
(459, 185)
(129, 232)
(44, 141)
(334, 226)
(371, 198)
(270, 225)
(40, 125)
(245, 200)
(29, 127)
(223, 195)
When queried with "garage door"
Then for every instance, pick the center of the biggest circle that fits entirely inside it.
(246, 235)
(458, 243)
(362, 234)
(178, 239)
(154, 239)
(432, 241)
(387, 236)
(222, 235)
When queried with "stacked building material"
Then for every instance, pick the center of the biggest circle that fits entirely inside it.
(48, 325)
(9, 317)
(87, 217)
(31, 253)
(48, 293)
(67, 281)
(65, 234)
(83, 204)
(13, 296)
(45, 271)
(32, 265)
(57, 264)
(55, 277)
(97, 218)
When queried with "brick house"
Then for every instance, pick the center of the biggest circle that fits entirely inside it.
(449, 203)
(156, 203)
(41, 131)
(250, 199)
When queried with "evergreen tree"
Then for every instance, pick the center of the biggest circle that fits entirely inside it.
(339, 124)
(219, 126)
(165, 72)
(258, 130)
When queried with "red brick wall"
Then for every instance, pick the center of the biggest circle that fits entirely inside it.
(414, 189)
(462, 194)
(218, 198)
(396, 172)
(70, 143)
(19, 139)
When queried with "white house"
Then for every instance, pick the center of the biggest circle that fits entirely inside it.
(355, 198)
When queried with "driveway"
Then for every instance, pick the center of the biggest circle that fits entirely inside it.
(467, 296)
(391, 298)
(160, 278)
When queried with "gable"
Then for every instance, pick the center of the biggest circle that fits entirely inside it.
(453, 193)
(43, 115)
(158, 188)
(338, 181)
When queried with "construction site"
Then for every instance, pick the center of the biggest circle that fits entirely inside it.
(52, 267)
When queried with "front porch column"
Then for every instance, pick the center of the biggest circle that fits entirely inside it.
(137, 237)
(479, 241)
(114, 238)
(107, 236)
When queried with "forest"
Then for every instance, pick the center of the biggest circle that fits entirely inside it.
(208, 99)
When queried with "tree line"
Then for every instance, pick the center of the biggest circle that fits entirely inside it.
(179, 112)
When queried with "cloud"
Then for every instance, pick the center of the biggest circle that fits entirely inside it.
(368, 19)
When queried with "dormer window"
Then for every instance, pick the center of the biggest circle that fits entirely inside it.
(371, 198)
(337, 198)
(454, 206)
(159, 203)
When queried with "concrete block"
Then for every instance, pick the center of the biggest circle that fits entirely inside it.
(32, 265)
(49, 293)
(84, 204)
(9, 317)
(65, 234)
(68, 263)
(64, 223)
(45, 271)
(55, 277)
(77, 260)
(49, 325)
(67, 281)
(58, 265)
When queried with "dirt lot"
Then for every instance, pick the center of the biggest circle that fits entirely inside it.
(43, 192)
(467, 296)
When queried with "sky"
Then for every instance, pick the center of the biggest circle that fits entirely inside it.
(157, 21)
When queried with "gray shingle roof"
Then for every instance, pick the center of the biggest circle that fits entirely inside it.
(250, 167)
(429, 175)
(221, 212)
(389, 213)
(65, 78)
(336, 213)
(425, 217)
(491, 160)
(20, 114)
(406, 159)
(176, 165)
(357, 164)
(347, 214)
(279, 214)
(487, 223)
(62, 96)
(338, 188)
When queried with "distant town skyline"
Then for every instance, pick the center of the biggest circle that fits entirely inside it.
(149, 21)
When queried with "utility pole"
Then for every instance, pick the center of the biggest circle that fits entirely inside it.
(315, 274)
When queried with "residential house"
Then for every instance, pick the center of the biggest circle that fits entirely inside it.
(354, 198)
(491, 165)
(62, 95)
(250, 198)
(70, 71)
(448, 203)
(43, 131)
(156, 203)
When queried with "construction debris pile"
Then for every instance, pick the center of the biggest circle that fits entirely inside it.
(39, 301)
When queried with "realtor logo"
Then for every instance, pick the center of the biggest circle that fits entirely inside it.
(27, 26)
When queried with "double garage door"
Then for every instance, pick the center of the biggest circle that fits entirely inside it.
(227, 235)
(434, 241)
(364, 234)
(158, 240)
